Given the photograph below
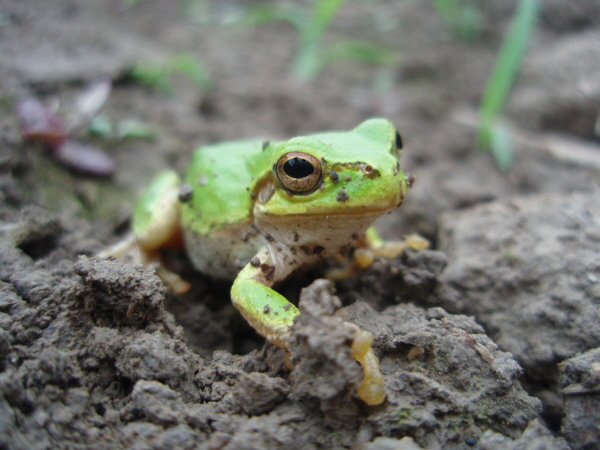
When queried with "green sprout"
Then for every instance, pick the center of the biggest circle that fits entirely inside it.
(492, 134)
(102, 127)
(312, 55)
(159, 75)
(130, 3)
(462, 17)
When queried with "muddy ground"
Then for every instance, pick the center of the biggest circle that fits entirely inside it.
(490, 340)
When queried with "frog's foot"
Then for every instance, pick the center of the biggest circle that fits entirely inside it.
(374, 247)
(126, 249)
(287, 359)
(172, 280)
(371, 389)
(393, 249)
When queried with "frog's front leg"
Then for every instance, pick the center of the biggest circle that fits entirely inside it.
(272, 316)
(269, 312)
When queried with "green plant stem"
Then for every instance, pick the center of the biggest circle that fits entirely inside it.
(504, 73)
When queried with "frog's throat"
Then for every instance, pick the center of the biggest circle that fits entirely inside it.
(300, 241)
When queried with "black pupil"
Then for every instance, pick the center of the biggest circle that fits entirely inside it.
(298, 168)
(398, 141)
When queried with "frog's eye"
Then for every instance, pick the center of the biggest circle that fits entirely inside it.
(398, 141)
(298, 172)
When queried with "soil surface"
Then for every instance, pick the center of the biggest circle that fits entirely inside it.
(489, 340)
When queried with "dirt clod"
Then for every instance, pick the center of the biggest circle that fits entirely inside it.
(528, 269)
(580, 383)
(114, 293)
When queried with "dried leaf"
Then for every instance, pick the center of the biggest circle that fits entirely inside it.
(85, 158)
(39, 123)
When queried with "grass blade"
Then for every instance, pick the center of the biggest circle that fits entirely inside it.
(504, 73)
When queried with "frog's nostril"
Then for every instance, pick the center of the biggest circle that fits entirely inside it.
(399, 143)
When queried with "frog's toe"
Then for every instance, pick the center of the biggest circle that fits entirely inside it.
(371, 389)
(173, 280)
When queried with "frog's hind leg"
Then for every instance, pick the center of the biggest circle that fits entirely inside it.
(156, 216)
(155, 225)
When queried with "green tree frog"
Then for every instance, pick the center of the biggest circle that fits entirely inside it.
(255, 212)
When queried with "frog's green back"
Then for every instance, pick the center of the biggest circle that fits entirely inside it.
(219, 175)
(364, 141)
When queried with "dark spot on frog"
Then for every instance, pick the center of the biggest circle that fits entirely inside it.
(334, 176)
(252, 195)
(267, 309)
(265, 144)
(255, 262)
(293, 250)
(268, 270)
(296, 236)
(318, 250)
(307, 251)
(269, 238)
(345, 250)
(287, 306)
(186, 193)
(348, 178)
(342, 196)
(355, 237)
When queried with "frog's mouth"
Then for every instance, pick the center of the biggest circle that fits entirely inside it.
(370, 197)
(347, 205)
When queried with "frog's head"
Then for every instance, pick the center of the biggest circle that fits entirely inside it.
(350, 175)
(344, 173)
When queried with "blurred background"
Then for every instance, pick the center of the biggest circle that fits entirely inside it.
(493, 98)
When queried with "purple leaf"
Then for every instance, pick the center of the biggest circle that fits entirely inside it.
(85, 158)
(39, 123)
